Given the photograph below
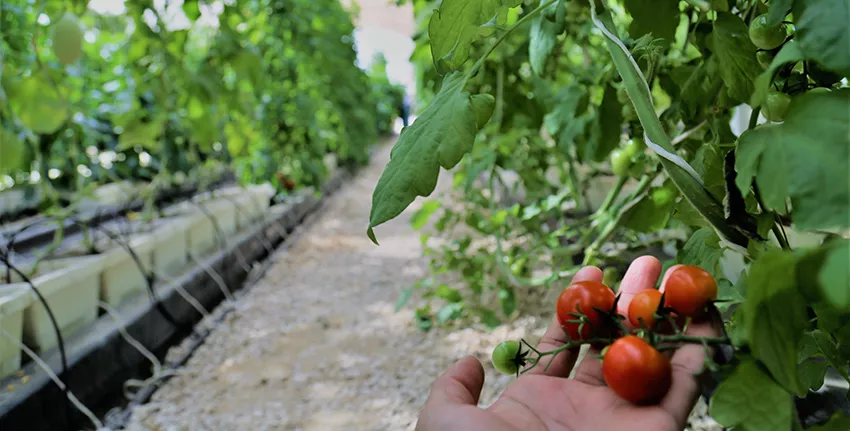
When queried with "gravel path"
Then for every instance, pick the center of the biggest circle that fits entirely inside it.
(316, 344)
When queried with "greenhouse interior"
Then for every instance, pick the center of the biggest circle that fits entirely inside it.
(424, 215)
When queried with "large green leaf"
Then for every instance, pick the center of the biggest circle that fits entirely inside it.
(776, 316)
(702, 249)
(610, 120)
(806, 159)
(736, 54)
(457, 24)
(750, 400)
(658, 17)
(39, 104)
(834, 277)
(11, 152)
(439, 137)
(823, 32)
(544, 33)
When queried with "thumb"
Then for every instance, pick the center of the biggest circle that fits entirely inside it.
(460, 384)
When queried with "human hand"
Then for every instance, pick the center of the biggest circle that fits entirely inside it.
(548, 401)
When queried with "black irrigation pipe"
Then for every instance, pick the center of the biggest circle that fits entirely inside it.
(63, 357)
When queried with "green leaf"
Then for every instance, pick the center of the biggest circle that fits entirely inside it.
(488, 317)
(141, 133)
(790, 53)
(39, 104)
(703, 250)
(806, 159)
(456, 25)
(449, 294)
(749, 399)
(823, 33)
(830, 351)
(449, 312)
(777, 12)
(840, 421)
(11, 152)
(728, 294)
(421, 216)
(652, 212)
(544, 34)
(776, 316)
(191, 9)
(736, 55)
(609, 121)
(659, 17)
(403, 298)
(834, 277)
(439, 137)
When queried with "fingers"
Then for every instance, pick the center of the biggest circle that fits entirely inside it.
(687, 363)
(555, 337)
(642, 274)
(460, 384)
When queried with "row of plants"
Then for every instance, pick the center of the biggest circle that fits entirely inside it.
(180, 93)
(587, 132)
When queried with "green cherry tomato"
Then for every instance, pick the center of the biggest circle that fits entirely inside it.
(622, 95)
(764, 36)
(765, 58)
(819, 90)
(620, 163)
(507, 358)
(776, 106)
(634, 147)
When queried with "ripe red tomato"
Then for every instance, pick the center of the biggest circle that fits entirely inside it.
(584, 296)
(688, 291)
(636, 371)
(643, 308)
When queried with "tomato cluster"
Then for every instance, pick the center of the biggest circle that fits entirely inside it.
(632, 366)
(627, 161)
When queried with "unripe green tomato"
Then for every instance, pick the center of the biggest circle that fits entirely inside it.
(634, 147)
(506, 357)
(765, 58)
(663, 196)
(620, 163)
(776, 106)
(819, 90)
(764, 36)
(68, 39)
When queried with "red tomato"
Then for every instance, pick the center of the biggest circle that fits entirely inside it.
(584, 296)
(688, 291)
(643, 307)
(636, 371)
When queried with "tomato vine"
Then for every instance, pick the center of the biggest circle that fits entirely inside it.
(181, 91)
(742, 110)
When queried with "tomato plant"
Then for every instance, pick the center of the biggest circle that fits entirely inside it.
(527, 115)
(588, 298)
(636, 371)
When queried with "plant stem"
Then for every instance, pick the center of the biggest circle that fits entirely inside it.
(643, 186)
(612, 195)
(504, 35)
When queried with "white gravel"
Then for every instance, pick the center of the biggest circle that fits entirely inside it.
(316, 344)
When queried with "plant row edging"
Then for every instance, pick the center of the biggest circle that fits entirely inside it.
(100, 360)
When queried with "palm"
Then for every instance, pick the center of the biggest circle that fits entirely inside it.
(540, 402)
